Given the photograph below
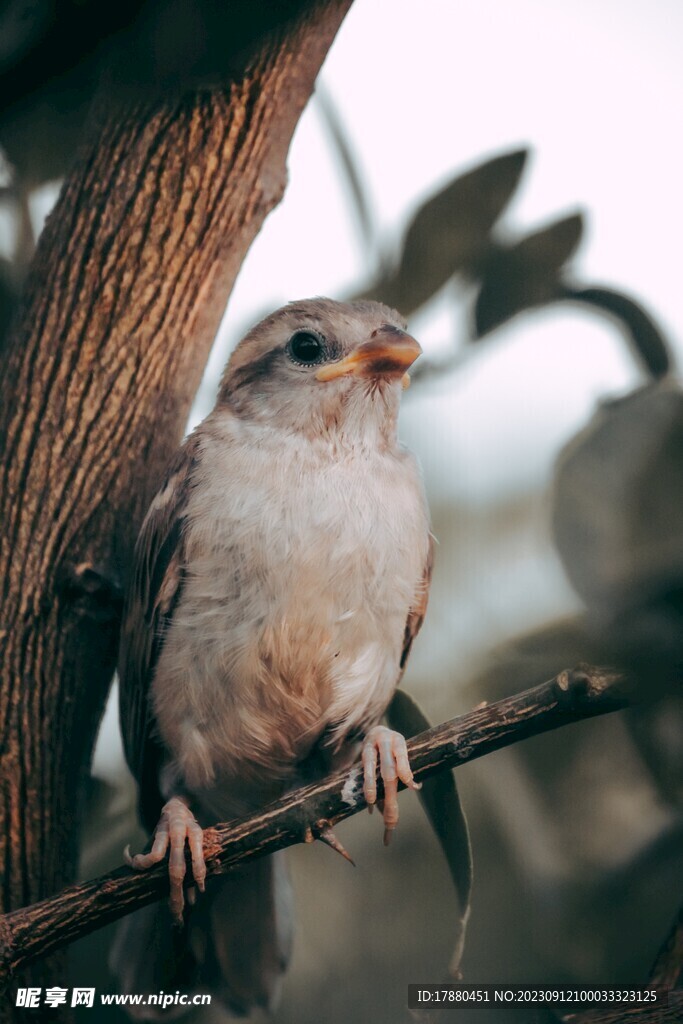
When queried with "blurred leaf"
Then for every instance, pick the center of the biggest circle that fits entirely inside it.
(42, 138)
(656, 728)
(617, 499)
(526, 274)
(8, 298)
(341, 141)
(551, 247)
(647, 340)
(449, 233)
(439, 797)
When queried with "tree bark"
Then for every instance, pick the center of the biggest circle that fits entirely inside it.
(128, 285)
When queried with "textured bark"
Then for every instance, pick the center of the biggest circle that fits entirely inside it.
(129, 282)
(28, 934)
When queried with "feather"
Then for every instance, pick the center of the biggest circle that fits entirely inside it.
(441, 802)
(416, 615)
(153, 595)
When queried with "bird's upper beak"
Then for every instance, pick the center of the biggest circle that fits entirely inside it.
(388, 353)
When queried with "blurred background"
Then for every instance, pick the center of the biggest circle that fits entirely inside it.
(509, 177)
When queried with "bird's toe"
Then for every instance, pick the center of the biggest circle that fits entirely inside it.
(389, 747)
(177, 825)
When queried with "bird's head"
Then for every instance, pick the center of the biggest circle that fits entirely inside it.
(323, 368)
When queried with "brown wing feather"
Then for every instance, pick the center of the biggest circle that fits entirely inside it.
(153, 594)
(416, 615)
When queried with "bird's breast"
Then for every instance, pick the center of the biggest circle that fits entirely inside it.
(300, 574)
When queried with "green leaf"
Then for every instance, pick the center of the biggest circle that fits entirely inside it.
(550, 248)
(449, 233)
(526, 274)
(439, 797)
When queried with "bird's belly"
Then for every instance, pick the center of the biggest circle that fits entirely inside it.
(254, 701)
(290, 628)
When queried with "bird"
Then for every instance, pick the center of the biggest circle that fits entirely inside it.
(279, 580)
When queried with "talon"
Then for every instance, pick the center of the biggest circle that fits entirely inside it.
(390, 748)
(327, 836)
(177, 825)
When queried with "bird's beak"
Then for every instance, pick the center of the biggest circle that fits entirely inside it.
(388, 353)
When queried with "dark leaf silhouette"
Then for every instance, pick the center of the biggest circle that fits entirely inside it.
(617, 498)
(440, 799)
(527, 274)
(348, 165)
(449, 234)
(647, 341)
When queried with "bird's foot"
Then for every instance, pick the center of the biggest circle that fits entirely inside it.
(394, 765)
(176, 824)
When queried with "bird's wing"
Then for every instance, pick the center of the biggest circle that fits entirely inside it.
(439, 795)
(416, 615)
(153, 594)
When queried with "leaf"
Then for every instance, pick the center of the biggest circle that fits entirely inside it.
(551, 247)
(439, 797)
(617, 498)
(648, 343)
(450, 233)
(526, 274)
(348, 164)
(8, 297)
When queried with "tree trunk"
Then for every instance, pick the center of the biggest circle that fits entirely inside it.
(129, 282)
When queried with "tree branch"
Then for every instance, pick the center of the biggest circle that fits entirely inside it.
(29, 934)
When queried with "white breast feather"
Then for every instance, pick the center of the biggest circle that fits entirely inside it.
(302, 567)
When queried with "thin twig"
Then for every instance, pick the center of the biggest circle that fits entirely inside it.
(29, 934)
(340, 138)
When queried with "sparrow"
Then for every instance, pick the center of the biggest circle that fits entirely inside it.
(280, 577)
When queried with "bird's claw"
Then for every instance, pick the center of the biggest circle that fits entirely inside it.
(394, 765)
(176, 825)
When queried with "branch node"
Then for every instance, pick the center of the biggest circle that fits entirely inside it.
(211, 846)
(586, 684)
(327, 836)
(93, 591)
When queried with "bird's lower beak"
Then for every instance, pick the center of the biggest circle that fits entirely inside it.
(388, 353)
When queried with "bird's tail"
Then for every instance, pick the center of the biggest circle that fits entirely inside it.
(235, 945)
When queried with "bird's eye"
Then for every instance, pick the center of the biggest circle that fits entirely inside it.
(307, 348)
